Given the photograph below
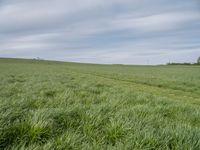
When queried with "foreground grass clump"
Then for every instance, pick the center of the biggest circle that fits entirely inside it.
(55, 105)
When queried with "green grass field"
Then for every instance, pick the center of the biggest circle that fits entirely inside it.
(57, 105)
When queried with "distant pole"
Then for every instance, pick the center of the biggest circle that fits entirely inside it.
(147, 61)
(198, 60)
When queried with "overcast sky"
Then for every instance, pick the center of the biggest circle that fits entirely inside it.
(101, 31)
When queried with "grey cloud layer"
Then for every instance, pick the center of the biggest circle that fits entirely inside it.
(100, 31)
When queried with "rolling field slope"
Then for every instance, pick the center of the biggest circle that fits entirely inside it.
(58, 105)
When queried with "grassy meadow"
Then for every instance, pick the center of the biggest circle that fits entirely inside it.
(47, 105)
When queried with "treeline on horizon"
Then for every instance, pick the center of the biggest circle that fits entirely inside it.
(185, 63)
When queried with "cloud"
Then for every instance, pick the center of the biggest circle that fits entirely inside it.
(158, 22)
(100, 31)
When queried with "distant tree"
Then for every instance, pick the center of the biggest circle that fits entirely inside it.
(198, 60)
